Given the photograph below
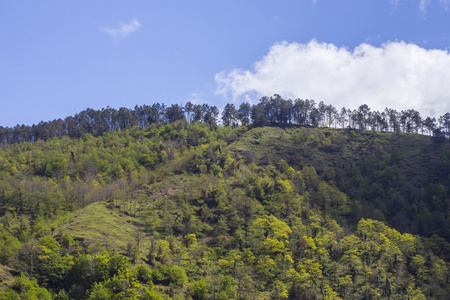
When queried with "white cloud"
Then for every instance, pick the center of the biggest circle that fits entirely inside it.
(396, 75)
(196, 99)
(423, 5)
(124, 29)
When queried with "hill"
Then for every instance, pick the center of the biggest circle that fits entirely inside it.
(394, 176)
(191, 211)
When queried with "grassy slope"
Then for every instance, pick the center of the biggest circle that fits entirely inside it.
(6, 277)
(108, 225)
(331, 148)
(103, 223)
(272, 142)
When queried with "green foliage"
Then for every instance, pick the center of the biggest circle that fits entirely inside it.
(49, 243)
(150, 295)
(67, 240)
(146, 160)
(24, 288)
(200, 290)
(143, 273)
(227, 213)
(165, 274)
(9, 247)
(62, 295)
(118, 264)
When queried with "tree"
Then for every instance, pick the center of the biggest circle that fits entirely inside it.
(188, 108)
(198, 111)
(200, 289)
(314, 117)
(156, 113)
(301, 110)
(298, 113)
(285, 116)
(210, 114)
(118, 263)
(344, 117)
(332, 115)
(430, 125)
(410, 120)
(9, 247)
(229, 115)
(322, 109)
(392, 116)
(270, 235)
(26, 288)
(362, 116)
(444, 121)
(258, 115)
(244, 113)
(174, 113)
(126, 118)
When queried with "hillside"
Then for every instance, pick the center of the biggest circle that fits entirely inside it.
(394, 176)
(197, 212)
(103, 225)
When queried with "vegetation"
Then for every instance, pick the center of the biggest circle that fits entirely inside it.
(269, 111)
(191, 210)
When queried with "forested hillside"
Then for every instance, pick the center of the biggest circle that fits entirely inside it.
(191, 210)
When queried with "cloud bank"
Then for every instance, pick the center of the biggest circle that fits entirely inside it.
(123, 30)
(396, 75)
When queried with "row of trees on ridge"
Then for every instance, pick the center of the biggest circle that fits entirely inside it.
(269, 111)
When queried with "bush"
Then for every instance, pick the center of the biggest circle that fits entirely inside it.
(200, 289)
(169, 274)
(143, 273)
(118, 263)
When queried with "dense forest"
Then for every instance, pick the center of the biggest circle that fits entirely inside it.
(278, 200)
(269, 111)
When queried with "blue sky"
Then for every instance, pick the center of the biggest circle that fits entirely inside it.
(60, 57)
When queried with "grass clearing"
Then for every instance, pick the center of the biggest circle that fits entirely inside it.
(104, 223)
(265, 142)
(6, 277)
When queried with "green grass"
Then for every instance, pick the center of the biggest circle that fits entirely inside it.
(6, 278)
(265, 142)
(106, 224)
(328, 148)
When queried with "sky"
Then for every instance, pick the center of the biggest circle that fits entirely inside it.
(58, 58)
